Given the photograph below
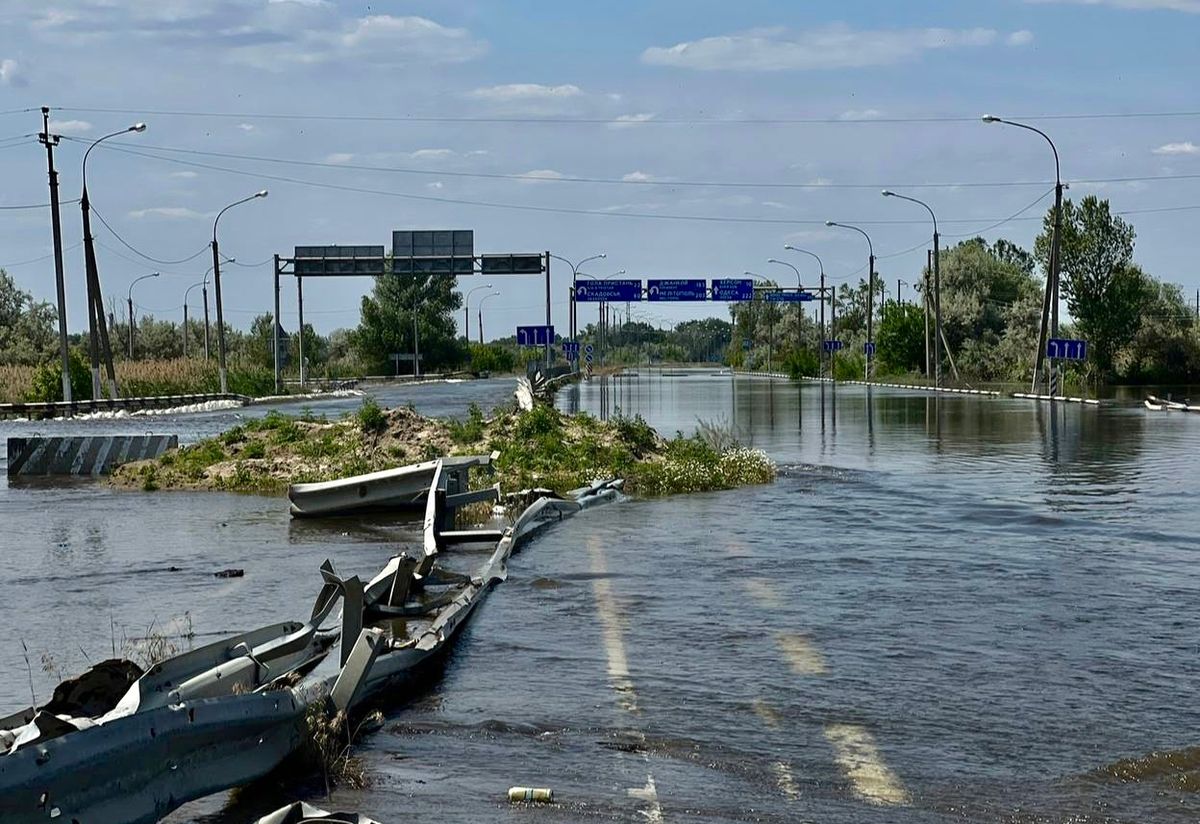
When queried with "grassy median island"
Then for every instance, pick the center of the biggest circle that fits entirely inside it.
(541, 447)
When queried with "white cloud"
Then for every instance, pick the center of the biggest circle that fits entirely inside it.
(70, 126)
(535, 175)
(1189, 6)
(435, 185)
(478, 153)
(10, 73)
(339, 157)
(185, 175)
(171, 212)
(310, 3)
(247, 127)
(860, 114)
(1020, 38)
(625, 121)
(512, 92)
(833, 47)
(431, 154)
(1185, 148)
(424, 36)
(636, 177)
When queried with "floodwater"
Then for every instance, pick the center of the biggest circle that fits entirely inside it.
(951, 609)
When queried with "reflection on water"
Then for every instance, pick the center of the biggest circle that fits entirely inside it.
(945, 609)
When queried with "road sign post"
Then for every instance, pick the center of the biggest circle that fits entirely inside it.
(733, 289)
(676, 289)
(1066, 349)
(600, 291)
(535, 335)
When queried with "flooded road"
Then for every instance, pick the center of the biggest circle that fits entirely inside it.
(954, 609)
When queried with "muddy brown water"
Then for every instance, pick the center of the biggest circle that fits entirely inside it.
(955, 609)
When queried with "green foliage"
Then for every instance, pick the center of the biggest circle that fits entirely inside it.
(693, 465)
(1105, 292)
(28, 329)
(849, 366)
(387, 322)
(255, 449)
(802, 363)
(371, 418)
(638, 435)
(46, 385)
(191, 461)
(492, 357)
(469, 431)
(900, 339)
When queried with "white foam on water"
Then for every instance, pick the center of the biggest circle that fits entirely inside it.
(785, 779)
(762, 590)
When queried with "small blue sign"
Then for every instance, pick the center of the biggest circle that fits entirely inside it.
(535, 335)
(589, 349)
(596, 291)
(1066, 349)
(733, 289)
(869, 349)
(747, 344)
(834, 345)
(788, 297)
(676, 289)
(570, 349)
(588, 358)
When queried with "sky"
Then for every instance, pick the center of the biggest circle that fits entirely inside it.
(680, 138)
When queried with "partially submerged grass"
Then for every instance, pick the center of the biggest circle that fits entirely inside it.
(538, 448)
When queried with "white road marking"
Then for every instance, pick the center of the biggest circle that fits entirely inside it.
(783, 777)
(762, 590)
(769, 715)
(804, 658)
(612, 627)
(856, 753)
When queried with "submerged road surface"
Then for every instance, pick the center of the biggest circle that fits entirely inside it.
(955, 609)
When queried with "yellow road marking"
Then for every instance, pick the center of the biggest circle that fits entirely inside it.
(804, 658)
(855, 751)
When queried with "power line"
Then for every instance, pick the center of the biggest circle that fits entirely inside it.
(617, 121)
(131, 248)
(70, 248)
(522, 206)
(735, 184)
(36, 205)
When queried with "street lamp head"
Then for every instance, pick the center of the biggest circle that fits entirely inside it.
(888, 193)
(154, 274)
(830, 223)
(990, 118)
(263, 193)
(602, 255)
(789, 247)
(773, 260)
(137, 127)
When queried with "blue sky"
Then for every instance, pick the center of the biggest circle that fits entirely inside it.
(651, 95)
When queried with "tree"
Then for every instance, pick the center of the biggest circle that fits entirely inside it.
(27, 327)
(259, 350)
(901, 338)
(387, 322)
(1103, 289)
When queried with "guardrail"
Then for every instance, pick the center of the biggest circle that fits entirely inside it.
(56, 409)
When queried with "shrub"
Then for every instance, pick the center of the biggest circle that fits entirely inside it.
(255, 449)
(468, 431)
(46, 383)
(371, 418)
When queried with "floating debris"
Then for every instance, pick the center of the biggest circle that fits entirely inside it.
(542, 794)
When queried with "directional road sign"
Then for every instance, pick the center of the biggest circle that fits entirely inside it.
(535, 335)
(869, 348)
(338, 260)
(676, 290)
(594, 291)
(1066, 349)
(529, 264)
(788, 297)
(834, 345)
(571, 349)
(732, 289)
(444, 251)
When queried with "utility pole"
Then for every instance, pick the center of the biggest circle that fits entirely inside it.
(925, 295)
(549, 343)
(299, 332)
(130, 305)
(204, 291)
(416, 344)
(274, 330)
(100, 347)
(50, 141)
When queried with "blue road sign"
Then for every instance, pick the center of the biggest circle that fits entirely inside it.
(1066, 349)
(676, 289)
(589, 349)
(732, 289)
(834, 345)
(535, 335)
(869, 349)
(788, 297)
(588, 357)
(571, 349)
(747, 344)
(594, 291)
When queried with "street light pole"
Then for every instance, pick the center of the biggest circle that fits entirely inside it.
(821, 264)
(870, 296)
(799, 305)
(129, 301)
(467, 309)
(216, 267)
(187, 292)
(770, 322)
(937, 287)
(482, 301)
(575, 267)
(97, 330)
(1050, 298)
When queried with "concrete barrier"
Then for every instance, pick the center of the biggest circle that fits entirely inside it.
(82, 455)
